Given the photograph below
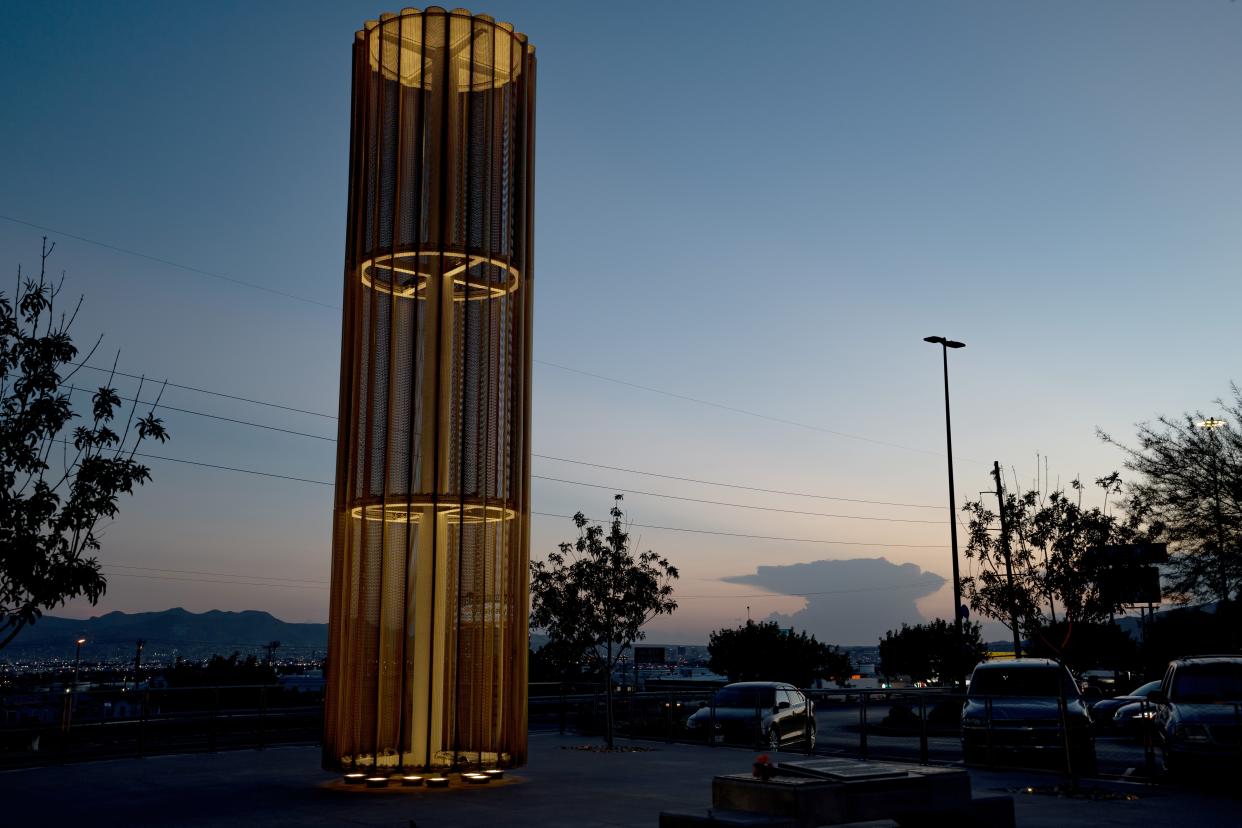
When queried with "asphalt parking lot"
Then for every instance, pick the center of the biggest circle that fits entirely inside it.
(568, 782)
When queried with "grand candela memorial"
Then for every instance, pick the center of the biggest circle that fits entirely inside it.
(430, 549)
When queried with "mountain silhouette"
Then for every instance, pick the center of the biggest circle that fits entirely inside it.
(191, 634)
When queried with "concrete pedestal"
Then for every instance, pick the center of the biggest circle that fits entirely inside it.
(817, 792)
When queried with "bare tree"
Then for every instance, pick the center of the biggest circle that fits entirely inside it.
(56, 483)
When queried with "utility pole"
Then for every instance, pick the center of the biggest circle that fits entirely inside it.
(1004, 528)
(1212, 425)
(139, 644)
(77, 659)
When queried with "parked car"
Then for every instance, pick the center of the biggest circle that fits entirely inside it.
(1026, 708)
(1199, 711)
(1105, 711)
(766, 713)
(1134, 718)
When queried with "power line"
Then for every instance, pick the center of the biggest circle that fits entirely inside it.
(733, 485)
(206, 581)
(570, 517)
(221, 468)
(591, 374)
(588, 485)
(250, 400)
(167, 407)
(755, 595)
(234, 469)
(222, 574)
(763, 537)
(732, 505)
(200, 271)
(541, 456)
(737, 410)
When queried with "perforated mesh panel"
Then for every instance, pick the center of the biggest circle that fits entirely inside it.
(428, 625)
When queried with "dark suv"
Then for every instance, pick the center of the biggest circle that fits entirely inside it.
(1015, 707)
(767, 713)
(1199, 711)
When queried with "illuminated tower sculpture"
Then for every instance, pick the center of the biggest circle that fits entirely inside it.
(428, 627)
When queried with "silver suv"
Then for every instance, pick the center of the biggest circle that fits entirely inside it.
(1199, 711)
(1028, 707)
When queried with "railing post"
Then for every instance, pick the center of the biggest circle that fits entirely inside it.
(922, 730)
(1149, 749)
(262, 715)
(215, 709)
(1070, 766)
(67, 729)
(711, 724)
(862, 724)
(1237, 724)
(142, 722)
(988, 706)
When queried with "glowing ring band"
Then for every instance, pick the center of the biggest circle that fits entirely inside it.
(465, 286)
(401, 512)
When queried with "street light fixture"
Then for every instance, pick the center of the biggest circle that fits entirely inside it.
(1212, 425)
(946, 344)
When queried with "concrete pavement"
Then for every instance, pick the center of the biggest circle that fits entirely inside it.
(562, 786)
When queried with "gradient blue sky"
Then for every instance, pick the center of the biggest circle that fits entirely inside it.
(763, 205)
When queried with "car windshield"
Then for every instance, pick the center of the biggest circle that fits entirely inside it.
(1207, 683)
(1021, 681)
(749, 697)
(1147, 689)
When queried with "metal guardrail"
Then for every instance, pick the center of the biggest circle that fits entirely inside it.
(171, 720)
(925, 715)
(94, 724)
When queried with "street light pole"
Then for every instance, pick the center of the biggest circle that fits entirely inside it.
(1212, 425)
(945, 345)
(77, 657)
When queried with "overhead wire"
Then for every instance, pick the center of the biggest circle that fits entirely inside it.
(736, 410)
(665, 476)
(757, 595)
(189, 268)
(171, 384)
(734, 485)
(207, 581)
(731, 505)
(166, 407)
(222, 574)
(602, 377)
(823, 541)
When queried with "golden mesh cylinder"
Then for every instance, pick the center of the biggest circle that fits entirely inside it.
(428, 621)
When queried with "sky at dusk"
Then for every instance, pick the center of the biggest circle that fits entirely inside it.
(765, 207)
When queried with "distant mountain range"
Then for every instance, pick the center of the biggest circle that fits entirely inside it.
(190, 634)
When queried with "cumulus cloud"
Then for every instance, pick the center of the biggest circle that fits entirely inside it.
(859, 598)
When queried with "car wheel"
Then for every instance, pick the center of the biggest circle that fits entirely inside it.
(774, 739)
(1171, 765)
(810, 739)
(1084, 762)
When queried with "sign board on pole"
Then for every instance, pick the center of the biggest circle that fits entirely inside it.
(1129, 554)
(649, 655)
(1133, 585)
